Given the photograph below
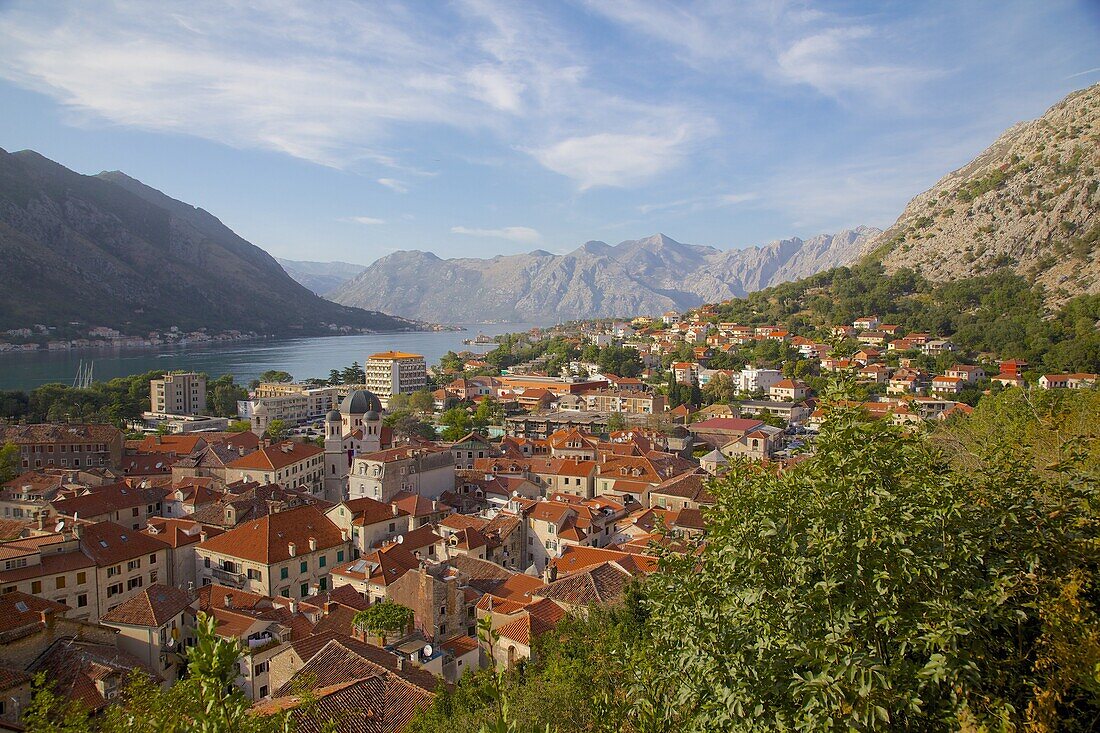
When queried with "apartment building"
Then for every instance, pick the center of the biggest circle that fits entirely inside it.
(383, 474)
(369, 523)
(289, 464)
(91, 568)
(154, 626)
(178, 393)
(395, 372)
(65, 446)
(288, 553)
(626, 401)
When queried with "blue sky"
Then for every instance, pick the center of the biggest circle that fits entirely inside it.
(482, 128)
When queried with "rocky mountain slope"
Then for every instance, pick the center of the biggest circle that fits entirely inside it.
(320, 277)
(1029, 201)
(108, 250)
(650, 275)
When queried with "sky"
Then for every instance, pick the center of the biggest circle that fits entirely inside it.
(349, 130)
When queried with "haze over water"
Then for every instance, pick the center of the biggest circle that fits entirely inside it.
(245, 360)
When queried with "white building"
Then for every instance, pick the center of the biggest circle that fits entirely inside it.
(182, 393)
(395, 372)
(353, 429)
(752, 380)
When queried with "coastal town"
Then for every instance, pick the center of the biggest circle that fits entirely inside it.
(488, 491)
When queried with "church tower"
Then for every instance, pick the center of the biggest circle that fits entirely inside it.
(355, 428)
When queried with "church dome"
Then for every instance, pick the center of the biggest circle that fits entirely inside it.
(360, 402)
(332, 416)
(371, 415)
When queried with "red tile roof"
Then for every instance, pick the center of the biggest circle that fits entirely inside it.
(154, 607)
(267, 539)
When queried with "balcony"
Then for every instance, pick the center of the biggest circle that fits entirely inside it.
(227, 577)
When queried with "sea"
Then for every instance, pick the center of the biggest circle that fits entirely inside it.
(245, 360)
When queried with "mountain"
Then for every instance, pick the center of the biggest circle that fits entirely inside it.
(650, 275)
(1029, 202)
(108, 250)
(320, 277)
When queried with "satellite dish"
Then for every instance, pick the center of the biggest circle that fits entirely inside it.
(400, 538)
(427, 650)
(60, 526)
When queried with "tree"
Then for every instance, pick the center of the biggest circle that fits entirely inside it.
(720, 389)
(276, 375)
(335, 377)
(450, 363)
(222, 395)
(873, 588)
(382, 618)
(456, 423)
(616, 421)
(276, 430)
(422, 401)
(489, 412)
(353, 374)
(239, 426)
(9, 462)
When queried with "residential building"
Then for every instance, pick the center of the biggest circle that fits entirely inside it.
(1067, 381)
(155, 626)
(178, 393)
(289, 464)
(65, 446)
(424, 471)
(792, 390)
(369, 523)
(395, 372)
(625, 401)
(288, 553)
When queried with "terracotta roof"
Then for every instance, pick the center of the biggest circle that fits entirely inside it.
(380, 567)
(155, 606)
(267, 539)
(179, 532)
(109, 544)
(689, 486)
(603, 583)
(366, 511)
(74, 666)
(49, 433)
(343, 658)
(104, 500)
(459, 645)
(20, 610)
(178, 444)
(574, 559)
(275, 457)
(725, 423)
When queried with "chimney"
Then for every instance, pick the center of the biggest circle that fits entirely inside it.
(400, 664)
(292, 548)
(202, 536)
(47, 618)
(312, 544)
(328, 607)
(78, 529)
(240, 450)
(293, 606)
(229, 600)
(42, 517)
(395, 509)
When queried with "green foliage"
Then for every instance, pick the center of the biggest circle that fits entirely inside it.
(616, 421)
(622, 361)
(222, 395)
(276, 375)
(205, 701)
(456, 423)
(239, 426)
(276, 430)
(385, 617)
(407, 424)
(489, 412)
(9, 462)
(720, 389)
(872, 588)
(974, 188)
(422, 401)
(353, 374)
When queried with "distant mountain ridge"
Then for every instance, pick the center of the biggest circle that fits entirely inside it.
(108, 250)
(321, 277)
(1030, 202)
(650, 275)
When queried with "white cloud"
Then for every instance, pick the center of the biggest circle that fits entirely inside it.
(700, 203)
(364, 220)
(525, 235)
(394, 185)
(614, 159)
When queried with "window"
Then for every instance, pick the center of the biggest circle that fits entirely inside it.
(259, 669)
(153, 559)
(254, 574)
(322, 561)
(339, 556)
(134, 583)
(82, 600)
(81, 578)
(113, 571)
(304, 590)
(36, 587)
(134, 511)
(152, 576)
(206, 562)
(263, 689)
(114, 590)
(59, 582)
(133, 565)
(285, 592)
(322, 584)
(284, 573)
(304, 567)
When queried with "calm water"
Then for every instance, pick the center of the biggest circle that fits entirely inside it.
(304, 358)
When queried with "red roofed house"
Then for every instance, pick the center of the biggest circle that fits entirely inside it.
(288, 553)
(945, 385)
(290, 464)
(719, 431)
(791, 390)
